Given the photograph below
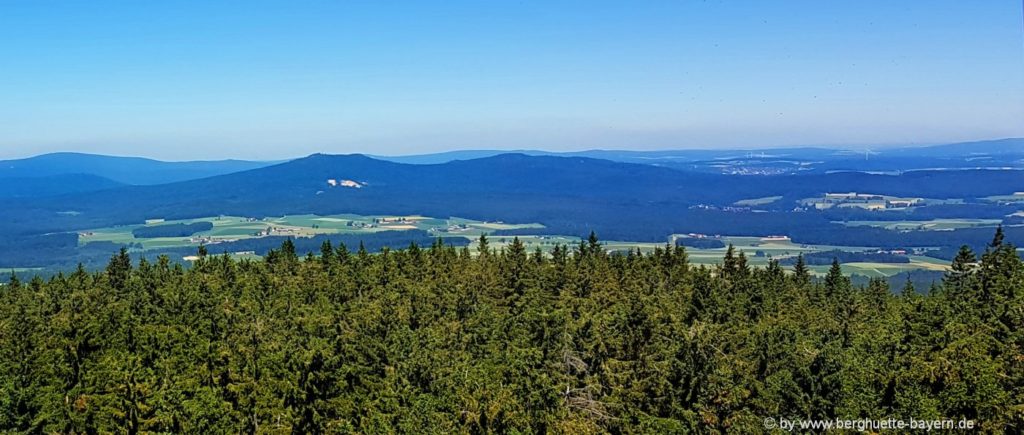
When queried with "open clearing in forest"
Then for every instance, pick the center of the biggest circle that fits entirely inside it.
(233, 228)
(758, 201)
(758, 250)
(929, 225)
(17, 270)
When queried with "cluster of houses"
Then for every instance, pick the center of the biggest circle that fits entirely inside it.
(277, 231)
(865, 200)
(455, 228)
(728, 208)
(345, 183)
(207, 240)
(196, 257)
(390, 220)
(357, 224)
(703, 236)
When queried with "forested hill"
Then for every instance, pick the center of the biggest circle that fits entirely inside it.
(513, 187)
(989, 153)
(125, 170)
(437, 340)
(55, 185)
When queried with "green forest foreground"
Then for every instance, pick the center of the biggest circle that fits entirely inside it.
(436, 340)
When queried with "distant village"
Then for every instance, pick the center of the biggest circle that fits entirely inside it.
(864, 200)
(345, 183)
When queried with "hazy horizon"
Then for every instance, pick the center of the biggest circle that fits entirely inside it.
(202, 81)
(850, 147)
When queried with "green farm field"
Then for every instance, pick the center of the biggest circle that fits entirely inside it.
(757, 249)
(20, 270)
(758, 201)
(881, 270)
(1015, 197)
(232, 228)
(929, 225)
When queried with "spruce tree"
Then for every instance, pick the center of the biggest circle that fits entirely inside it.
(997, 238)
(801, 273)
(835, 281)
(119, 268)
(593, 246)
(730, 265)
(774, 270)
(482, 247)
(959, 278)
(742, 268)
(908, 289)
(341, 253)
(288, 250)
(326, 253)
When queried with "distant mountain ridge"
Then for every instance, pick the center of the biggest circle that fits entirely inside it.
(1013, 146)
(625, 156)
(590, 193)
(966, 155)
(53, 185)
(567, 195)
(124, 170)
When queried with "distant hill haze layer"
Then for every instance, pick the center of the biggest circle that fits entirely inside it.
(1005, 153)
(561, 192)
(1002, 153)
(52, 185)
(124, 170)
(569, 196)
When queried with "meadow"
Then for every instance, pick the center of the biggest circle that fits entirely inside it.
(928, 225)
(233, 228)
(758, 201)
(758, 250)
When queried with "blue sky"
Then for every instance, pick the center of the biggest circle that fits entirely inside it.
(262, 80)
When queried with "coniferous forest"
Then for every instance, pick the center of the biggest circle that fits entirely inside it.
(444, 340)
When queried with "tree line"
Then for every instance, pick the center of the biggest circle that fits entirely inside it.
(440, 339)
